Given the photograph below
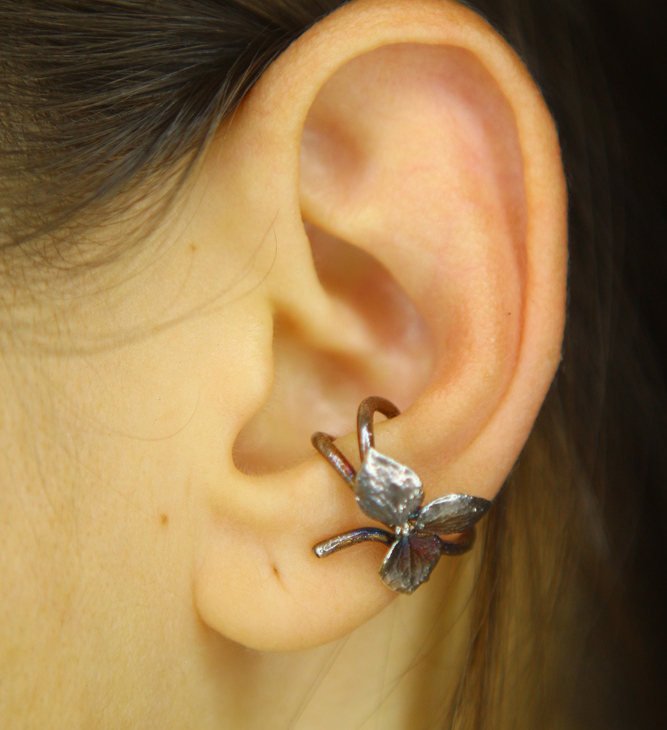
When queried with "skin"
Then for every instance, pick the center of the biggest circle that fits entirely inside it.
(159, 494)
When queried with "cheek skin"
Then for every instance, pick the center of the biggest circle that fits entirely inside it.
(129, 403)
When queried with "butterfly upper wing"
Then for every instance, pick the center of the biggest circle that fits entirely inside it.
(386, 490)
(452, 513)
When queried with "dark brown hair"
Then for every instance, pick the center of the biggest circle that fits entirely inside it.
(97, 97)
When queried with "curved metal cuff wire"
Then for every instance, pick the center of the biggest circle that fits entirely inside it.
(392, 494)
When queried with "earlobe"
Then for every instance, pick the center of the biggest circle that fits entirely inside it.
(431, 270)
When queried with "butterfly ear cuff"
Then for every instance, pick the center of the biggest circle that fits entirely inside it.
(392, 494)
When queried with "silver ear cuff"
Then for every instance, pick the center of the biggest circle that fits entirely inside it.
(392, 494)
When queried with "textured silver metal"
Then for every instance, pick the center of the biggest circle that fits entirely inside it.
(452, 513)
(386, 490)
(354, 537)
(410, 561)
(392, 494)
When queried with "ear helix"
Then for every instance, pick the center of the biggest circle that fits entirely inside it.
(392, 494)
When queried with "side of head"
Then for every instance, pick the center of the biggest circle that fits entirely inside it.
(384, 212)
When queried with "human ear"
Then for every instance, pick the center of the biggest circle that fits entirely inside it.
(409, 174)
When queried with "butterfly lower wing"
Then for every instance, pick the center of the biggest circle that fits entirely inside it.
(410, 561)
